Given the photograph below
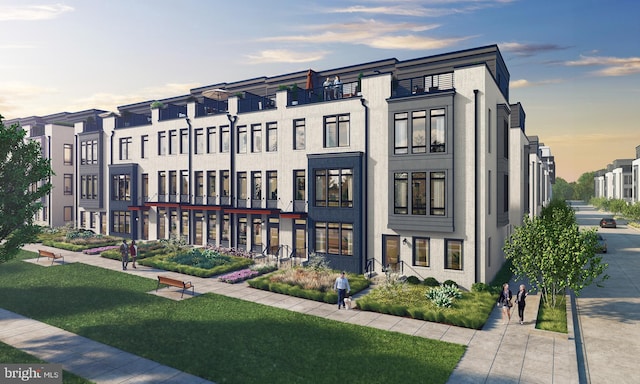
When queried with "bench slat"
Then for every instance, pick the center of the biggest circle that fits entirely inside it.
(176, 283)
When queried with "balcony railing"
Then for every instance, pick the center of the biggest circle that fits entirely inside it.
(423, 84)
(320, 94)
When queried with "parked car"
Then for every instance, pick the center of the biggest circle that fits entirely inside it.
(608, 222)
(602, 244)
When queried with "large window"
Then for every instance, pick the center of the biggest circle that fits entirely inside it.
(418, 132)
(68, 213)
(211, 140)
(224, 139)
(211, 184)
(199, 141)
(68, 184)
(438, 193)
(299, 182)
(334, 238)
(121, 187)
(414, 184)
(299, 134)
(272, 137)
(184, 141)
(224, 183)
(242, 139)
(421, 252)
(184, 186)
(173, 184)
(144, 146)
(242, 186)
(272, 185)
(256, 138)
(199, 183)
(256, 190)
(162, 143)
(162, 184)
(145, 187)
(68, 154)
(89, 187)
(336, 131)
(418, 193)
(438, 140)
(125, 143)
(400, 133)
(173, 142)
(334, 187)
(401, 188)
(453, 256)
(120, 222)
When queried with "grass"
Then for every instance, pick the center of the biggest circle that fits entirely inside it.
(219, 338)
(11, 355)
(472, 310)
(553, 318)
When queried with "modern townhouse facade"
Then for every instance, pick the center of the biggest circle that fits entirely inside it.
(56, 138)
(420, 166)
(617, 180)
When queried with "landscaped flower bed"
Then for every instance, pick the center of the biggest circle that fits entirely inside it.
(99, 250)
(247, 273)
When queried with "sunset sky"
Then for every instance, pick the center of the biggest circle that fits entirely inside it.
(574, 65)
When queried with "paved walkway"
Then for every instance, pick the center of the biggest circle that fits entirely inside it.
(499, 353)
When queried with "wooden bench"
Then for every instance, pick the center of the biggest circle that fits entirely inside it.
(176, 283)
(50, 255)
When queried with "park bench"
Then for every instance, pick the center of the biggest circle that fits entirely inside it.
(50, 255)
(175, 283)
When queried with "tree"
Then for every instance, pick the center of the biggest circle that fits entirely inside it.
(554, 254)
(584, 188)
(562, 190)
(24, 180)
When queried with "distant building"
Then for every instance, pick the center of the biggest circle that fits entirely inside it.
(420, 166)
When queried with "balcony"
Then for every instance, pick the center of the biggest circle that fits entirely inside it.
(298, 96)
(211, 107)
(172, 112)
(430, 84)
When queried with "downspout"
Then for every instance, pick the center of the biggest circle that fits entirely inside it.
(49, 218)
(189, 187)
(232, 177)
(365, 176)
(477, 184)
(75, 183)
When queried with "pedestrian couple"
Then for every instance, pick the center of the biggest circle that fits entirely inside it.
(126, 251)
(504, 300)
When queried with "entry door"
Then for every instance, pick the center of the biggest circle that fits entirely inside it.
(391, 251)
(274, 236)
(300, 238)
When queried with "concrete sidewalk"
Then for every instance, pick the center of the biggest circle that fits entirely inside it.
(498, 353)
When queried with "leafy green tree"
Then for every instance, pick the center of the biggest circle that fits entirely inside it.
(554, 254)
(24, 180)
(562, 189)
(584, 188)
(617, 206)
(632, 211)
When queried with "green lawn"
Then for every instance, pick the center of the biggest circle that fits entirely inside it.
(222, 339)
(10, 355)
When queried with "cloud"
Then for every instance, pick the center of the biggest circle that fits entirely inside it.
(33, 12)
(614, 66)
(526, 50)
(285, 56)
(523, 83)
(372, 33)
(415, 9)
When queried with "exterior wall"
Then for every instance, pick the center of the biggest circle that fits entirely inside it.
(635, 180)
(53, 142)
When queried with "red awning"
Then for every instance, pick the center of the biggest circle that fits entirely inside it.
(138, 208)
(293, 215)
(201, 207)
(161, 204)
(251, 211)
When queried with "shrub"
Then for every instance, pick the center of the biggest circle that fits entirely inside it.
(431, 282)
(451, 290)
(480, 287)
(413, 280)
(439, 297)
(450, 282)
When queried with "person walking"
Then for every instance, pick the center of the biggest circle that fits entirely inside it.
(504, 300)
(520, 299)
(342, 286)
(124, 252)
(133, 252)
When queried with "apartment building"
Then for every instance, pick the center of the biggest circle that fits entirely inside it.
(420, 166)
(635, 177)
